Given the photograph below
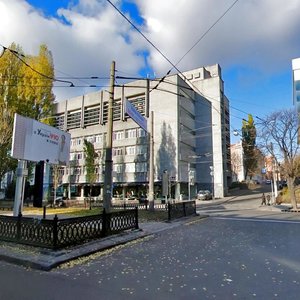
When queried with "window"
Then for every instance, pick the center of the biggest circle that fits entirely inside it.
(130, 150)
(118, 168)
(99, 138)
(117, 109)
(141, 132)
(73, 119)
(117, 151)
(130, 133)
(118, 135)
(76, 155)
(91, 116)
(130, 167)
(60, 121)
(76, 171)
(60, 171)
(75, 142)
(141, 167)
(141, 149)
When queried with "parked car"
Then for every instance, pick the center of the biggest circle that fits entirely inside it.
(204, 195)
(268, 181)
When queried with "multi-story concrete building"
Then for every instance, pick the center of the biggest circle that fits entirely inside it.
(237, 162)
(191, 135)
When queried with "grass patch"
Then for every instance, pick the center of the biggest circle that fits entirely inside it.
(156, 216)
(144, 215)
(72, 211)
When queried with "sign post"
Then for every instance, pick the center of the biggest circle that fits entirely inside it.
(39, 142)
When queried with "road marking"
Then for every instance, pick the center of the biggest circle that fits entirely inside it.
(256, 220)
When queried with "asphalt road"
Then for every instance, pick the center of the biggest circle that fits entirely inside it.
(226, 256)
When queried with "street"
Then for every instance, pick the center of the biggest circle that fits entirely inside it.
(238, 253)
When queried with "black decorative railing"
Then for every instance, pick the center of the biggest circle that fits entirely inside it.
(140, 206)
(60, 233)
(181, 209)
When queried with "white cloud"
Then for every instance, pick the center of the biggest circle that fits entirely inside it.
(83, 42)
(87, 37)
(264, 33)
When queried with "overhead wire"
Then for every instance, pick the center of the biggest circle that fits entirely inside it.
(166, 58)
(207, 31)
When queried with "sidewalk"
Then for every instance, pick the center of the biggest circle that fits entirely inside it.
(243, 199)
(47, 259)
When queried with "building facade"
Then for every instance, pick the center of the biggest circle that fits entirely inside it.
(237, 162)
(191, 136)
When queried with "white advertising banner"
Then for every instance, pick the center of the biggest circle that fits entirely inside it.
(296, 82)
(135, 115)
(36, 141)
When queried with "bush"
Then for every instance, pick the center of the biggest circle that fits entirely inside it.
(240, 185)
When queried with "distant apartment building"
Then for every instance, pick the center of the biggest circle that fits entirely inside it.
(191, 130)
(237, 162)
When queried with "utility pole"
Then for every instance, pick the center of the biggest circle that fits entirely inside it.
(151, 164)
(212, 182)
(107, 188)
(189, 180)
(22, 173)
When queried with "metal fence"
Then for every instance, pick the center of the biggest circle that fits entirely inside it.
(181, 209)
(59, 233)
(140, 206)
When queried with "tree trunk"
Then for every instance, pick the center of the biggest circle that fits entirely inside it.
(291, 187)
(91, 187)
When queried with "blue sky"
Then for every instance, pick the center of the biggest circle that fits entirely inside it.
(254, 43)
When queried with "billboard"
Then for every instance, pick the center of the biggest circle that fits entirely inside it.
(296, 88)
(35, 141)
(135, 115)
(296, 82)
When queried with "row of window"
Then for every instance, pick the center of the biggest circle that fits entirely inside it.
(130, 150)
(118, 151)
(117, 168)
(117, 136)
(130, 168)
(94, 139)
(94, 115)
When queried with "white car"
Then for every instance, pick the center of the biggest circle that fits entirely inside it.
(204, 195)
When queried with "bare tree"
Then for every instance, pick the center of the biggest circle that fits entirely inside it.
(278, 135)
